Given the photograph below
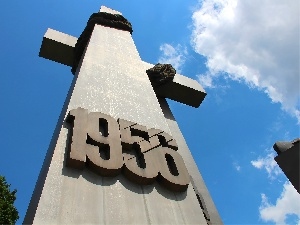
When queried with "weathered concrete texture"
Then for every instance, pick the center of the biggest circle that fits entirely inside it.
(110, 79)
(58, 47)
(289, 160)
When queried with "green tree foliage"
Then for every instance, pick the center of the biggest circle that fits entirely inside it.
(8, 212)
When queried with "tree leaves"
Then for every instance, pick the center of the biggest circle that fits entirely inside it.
(8, 212)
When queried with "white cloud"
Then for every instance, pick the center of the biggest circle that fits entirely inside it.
(269, 164)
(286, 205)
(253, 41)
(173, 55)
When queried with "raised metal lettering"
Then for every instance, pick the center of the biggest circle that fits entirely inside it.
(106, 146)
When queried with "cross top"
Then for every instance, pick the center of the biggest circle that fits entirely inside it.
(68, 50)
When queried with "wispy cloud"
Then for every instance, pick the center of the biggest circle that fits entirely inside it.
(256, 42)
(269, 164)
(237, 166)
(174, 55)
(206, 80)
(286, 205)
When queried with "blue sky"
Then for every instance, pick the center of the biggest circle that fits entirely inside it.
(245, 54)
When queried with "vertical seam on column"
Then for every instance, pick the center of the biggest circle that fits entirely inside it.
(103, 201)
(180, 208)
(146, 208)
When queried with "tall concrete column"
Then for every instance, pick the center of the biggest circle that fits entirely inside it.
(111, 78)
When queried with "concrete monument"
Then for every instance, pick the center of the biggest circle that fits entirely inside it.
(117, 155)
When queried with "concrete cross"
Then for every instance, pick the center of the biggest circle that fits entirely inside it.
(59, 47)
(111, 78)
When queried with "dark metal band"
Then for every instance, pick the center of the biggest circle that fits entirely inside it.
(102, 18)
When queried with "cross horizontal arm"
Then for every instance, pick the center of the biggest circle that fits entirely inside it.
(182, 89)
(58, 47)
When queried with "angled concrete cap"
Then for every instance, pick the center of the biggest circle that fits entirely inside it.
(109, 10)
